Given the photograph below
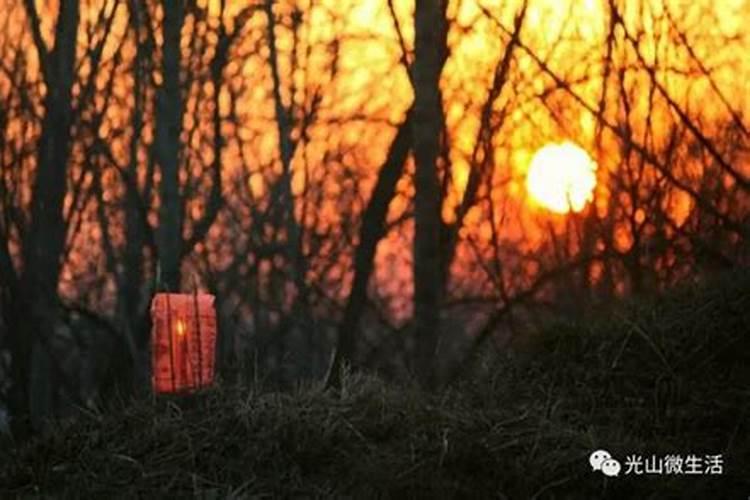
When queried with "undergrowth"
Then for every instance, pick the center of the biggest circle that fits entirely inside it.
(666, 376)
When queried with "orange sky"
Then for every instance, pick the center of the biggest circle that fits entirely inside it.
(372, 84)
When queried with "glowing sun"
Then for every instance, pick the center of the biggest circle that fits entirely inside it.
(561, 177)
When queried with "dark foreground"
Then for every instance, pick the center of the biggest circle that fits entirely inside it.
(670, 377)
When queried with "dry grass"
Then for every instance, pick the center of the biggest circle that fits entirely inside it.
(669, 376)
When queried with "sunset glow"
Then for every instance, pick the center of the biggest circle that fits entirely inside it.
(561, 177)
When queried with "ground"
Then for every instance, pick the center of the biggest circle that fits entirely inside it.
(666, 376)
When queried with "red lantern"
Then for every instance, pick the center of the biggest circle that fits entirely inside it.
(183, 341)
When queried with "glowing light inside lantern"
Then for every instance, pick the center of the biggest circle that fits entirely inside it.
(180, 328)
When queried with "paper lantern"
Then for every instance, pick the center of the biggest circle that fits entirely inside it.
(183, 341)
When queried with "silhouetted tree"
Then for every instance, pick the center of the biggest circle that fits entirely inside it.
(430, 52)
(34, 309)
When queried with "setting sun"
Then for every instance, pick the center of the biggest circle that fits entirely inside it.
(561, 177)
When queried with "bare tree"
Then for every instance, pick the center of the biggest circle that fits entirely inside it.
(372, 230)
(169, 112)
(430, 55)
(34, 308)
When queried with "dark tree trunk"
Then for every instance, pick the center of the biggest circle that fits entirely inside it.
(430, 50)
(34, 314)
(129, 375)
(19, 343)
(371, 232)
(168, 130)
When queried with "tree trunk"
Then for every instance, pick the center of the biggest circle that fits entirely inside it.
(130, 300)
(168, 130)
(35, 310)
(371, 232)
(430, 43)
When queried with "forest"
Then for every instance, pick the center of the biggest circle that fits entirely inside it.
(379, 194)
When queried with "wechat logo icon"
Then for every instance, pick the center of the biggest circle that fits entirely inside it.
(602, 461)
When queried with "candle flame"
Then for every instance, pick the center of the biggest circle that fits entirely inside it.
(180, 328)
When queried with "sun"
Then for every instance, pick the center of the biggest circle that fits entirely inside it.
(561, 177)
